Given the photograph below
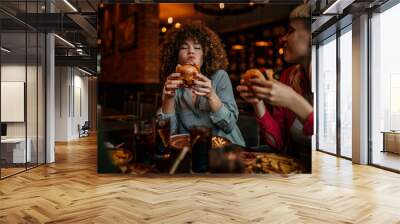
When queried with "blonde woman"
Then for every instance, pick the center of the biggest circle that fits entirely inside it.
(290, 126)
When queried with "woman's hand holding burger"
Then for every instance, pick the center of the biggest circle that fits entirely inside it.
(173, 82)
(193, 79)
(202, 86)
(274, 92)
(183, 76)
(189, 76)
(255, 89)
(279, 94)
(246, 90)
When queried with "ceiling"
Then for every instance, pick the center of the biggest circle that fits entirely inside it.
(74, 26)
(177, 11)
(16, 42)
(38, 6)
(261, 14)
(83, 23)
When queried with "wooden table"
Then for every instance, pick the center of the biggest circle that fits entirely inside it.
(14, 150)
(391, 141)
(235, 160)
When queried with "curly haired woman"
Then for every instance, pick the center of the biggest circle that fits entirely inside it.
(210, 101)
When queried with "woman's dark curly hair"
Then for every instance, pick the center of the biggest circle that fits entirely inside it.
(214, 55)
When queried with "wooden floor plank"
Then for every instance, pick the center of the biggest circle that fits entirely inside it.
(70, 191)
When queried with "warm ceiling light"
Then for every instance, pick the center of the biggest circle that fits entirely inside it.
(237, 47)
(70, 5)
(170, 20)
(251, 3)
(65, 41)
(98, 41)
(5, 50)
(221, 5)
(177, 25)
(101, 5)
(280, 51)
(262, 43)
(43, 7)
(164, 29)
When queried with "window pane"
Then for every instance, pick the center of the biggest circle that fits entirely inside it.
(31, 100)
(14, 150)
(327, 96)
(41, 98)
(385, 84)
(346, 94)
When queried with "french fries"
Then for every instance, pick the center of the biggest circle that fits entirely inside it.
(272, 163)
(218, 142)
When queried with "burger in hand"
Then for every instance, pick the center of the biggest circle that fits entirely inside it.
(188, 73)
(250, 74)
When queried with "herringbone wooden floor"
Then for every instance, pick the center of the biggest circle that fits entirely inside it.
(70, 191)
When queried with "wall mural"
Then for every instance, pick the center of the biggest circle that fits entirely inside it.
(181, 99)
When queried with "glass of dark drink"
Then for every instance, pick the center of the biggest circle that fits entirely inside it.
(162, 152)
(145, 142)
(200, 140)
(163, 132)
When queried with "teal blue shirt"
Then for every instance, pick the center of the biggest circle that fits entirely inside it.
(223, 121)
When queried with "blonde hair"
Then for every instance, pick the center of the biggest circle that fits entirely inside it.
(302, 11)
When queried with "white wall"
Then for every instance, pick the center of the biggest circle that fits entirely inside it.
(80, 101)
(13, 73)
(71, 94)
(61, 103)
(33, 126)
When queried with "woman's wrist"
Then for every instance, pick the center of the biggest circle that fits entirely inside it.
(212, 96)
(214, 102)
(301, 107)
(168, 105)
(259, 108)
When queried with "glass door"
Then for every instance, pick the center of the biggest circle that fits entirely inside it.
(14, 153)
(385, 89)
(345, 42)
(326, 59)
(22, 64)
